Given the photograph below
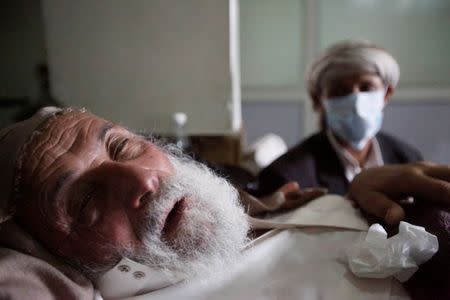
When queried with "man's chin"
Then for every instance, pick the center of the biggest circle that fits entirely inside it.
(188, 244)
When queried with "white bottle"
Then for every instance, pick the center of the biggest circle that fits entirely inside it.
(179, 120)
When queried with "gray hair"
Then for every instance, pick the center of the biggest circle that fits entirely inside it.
(347, 58)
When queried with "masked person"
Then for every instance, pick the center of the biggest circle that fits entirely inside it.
(350, 86)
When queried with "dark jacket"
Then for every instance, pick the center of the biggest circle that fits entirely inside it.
(314, 163)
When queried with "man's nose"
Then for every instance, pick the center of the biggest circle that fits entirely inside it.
(130, 183)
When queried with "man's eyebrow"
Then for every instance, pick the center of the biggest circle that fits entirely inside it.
(104, 130)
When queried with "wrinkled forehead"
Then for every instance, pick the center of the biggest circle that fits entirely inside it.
(62, 129)
(68, 132)
(73, 121)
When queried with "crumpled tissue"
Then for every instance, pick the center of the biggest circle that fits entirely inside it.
(400, 255)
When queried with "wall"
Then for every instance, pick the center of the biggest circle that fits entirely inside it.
(424, 124)
(136, 62)
(22, 47)
(281, 118)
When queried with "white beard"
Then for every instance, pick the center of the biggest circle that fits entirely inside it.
(211, 232)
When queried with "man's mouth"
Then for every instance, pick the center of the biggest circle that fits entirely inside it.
(173, 219)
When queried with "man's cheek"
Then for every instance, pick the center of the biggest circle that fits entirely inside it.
(116, 230)
(89, 250)
(104, 240)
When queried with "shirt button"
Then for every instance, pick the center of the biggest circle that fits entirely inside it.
(124, 268)
(139, 274)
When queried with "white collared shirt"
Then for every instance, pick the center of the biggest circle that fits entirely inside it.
(350, 164)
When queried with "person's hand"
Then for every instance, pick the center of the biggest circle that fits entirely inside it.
(379, 190)
(286, 197)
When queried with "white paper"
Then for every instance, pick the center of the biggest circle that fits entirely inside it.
(400, 256)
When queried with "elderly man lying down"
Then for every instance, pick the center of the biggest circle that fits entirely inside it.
(90, 210)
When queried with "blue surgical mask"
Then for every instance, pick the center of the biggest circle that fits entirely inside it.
(355, 118)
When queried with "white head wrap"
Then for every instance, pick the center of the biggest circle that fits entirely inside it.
(351, 57)
(12, 138)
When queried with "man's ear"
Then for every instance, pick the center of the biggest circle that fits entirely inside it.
(317, 103)
(389, 92)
